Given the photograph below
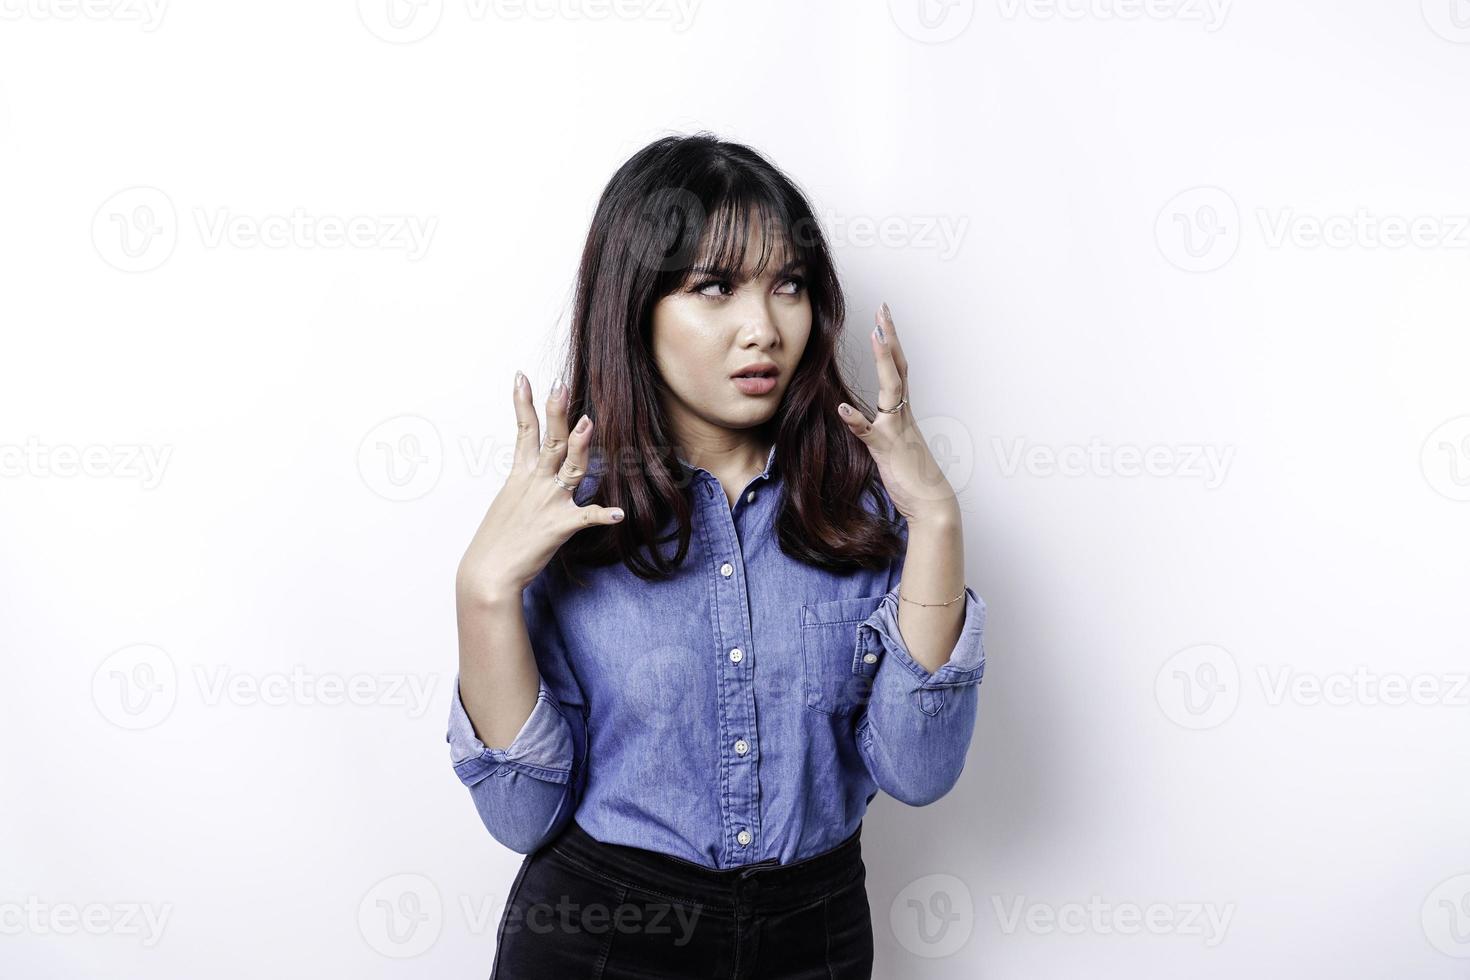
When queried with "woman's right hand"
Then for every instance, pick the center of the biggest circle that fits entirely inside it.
(532, 516)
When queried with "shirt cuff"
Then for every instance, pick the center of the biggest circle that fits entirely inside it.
(542, 748)
(879, 635)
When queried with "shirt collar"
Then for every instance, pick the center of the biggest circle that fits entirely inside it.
(765, 473)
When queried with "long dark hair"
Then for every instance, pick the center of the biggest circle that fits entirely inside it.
(679, 200)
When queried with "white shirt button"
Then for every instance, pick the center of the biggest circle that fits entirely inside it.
(750, 496)
(727, 569)
(741, 746)
(737, 655)
(870, 658)
(743, 837)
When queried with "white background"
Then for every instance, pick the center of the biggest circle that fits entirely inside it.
(1101, 228)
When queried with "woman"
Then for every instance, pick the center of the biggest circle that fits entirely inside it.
(686, 664)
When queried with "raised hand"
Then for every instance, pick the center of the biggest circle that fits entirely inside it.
(533, 514)
(910, 473)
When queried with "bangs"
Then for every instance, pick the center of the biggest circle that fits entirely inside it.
(726, 232)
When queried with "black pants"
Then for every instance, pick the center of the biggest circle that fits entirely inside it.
(583, 910)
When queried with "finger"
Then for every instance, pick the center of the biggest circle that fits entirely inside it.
(528, 427)
(894, 341)
(857, 423)
(591, 515)
(554, 446)
(574, 467)
(890, 378)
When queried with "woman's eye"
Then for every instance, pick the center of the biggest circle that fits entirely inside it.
(795, 282)
(705, 289)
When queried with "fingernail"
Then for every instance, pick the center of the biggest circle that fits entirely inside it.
(617, 514)
(887, 313)
(555, 387)
(878, 332)
(520, 380)
(582, 424)
(843, 408)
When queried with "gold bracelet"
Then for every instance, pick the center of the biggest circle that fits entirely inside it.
(951, 602)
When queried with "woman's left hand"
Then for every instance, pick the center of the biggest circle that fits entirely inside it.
(918, 487)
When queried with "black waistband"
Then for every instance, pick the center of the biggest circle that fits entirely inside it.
(765, 885)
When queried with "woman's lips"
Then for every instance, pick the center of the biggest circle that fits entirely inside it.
(755, 386)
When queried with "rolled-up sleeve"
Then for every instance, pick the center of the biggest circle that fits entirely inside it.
(916, 728)
(527, 791)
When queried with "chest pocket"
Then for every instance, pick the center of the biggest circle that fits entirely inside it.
(837, 678)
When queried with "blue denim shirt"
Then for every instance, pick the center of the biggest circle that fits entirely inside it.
(746, 710)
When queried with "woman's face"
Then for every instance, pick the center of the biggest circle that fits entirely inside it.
(712, 329)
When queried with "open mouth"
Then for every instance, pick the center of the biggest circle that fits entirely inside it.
(756, 380)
